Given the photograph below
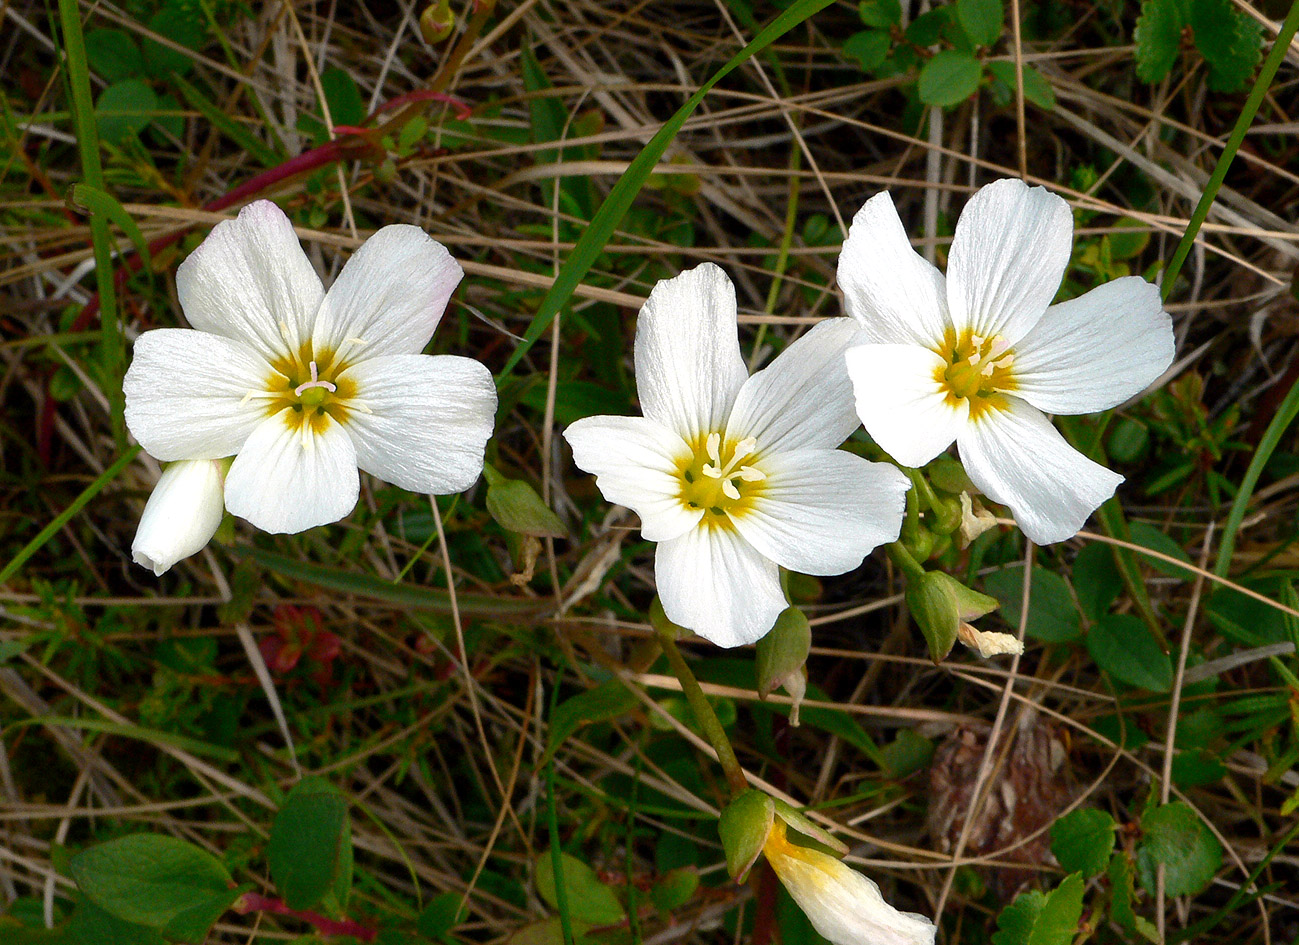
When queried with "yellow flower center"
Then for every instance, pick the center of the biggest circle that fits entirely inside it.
(978, 370)
(306, 390)
(717, 479)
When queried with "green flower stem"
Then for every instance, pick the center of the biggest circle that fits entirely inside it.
(1247, 113)
(908, 565)
(705, 715)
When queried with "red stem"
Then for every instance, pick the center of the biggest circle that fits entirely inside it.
(254, 902)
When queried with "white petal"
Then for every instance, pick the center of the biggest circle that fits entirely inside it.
(988, 642)
(1009, 254)
(185, 394)
(688, 364)
(715, 583)
(1016, 457)
(804, 397)
(637, 463)
(842, 904)
(389, 296)
(428, 420)
(894, 293)
(251, 281)
(823, 511)
(284, 484)
(1095, 351)
(901, 403)
(181, 516)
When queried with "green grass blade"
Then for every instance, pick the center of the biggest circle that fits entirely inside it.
(1246, 118)
(113, 348)
(48, 532)
(139, 733)
(616, 205)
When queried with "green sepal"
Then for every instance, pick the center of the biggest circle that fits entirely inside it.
(795, 818)
(782, 653)
(940, 604)
(744, 827)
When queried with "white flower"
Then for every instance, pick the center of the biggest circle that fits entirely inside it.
(301, 385)
(181, 516)
(842, 904)
(735, 475)
(981, 356)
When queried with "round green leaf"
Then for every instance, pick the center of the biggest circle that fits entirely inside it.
(124, 109)
(1083, 840)
(880, 14)
(310, 850)
(1176, 837)
(1147, 536)
(1052, 616)
(181, 23)
(950, 77)
(981, 19)
(928, 27)
(1122, 646)
(1036, 89)
(869, 48)
(113, 55)
(155, 881)
(589, 900)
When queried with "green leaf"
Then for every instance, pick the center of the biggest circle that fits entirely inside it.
(440, 916)
(113, 55)
(344, 98)
(1038, 919)
(609, 700)
(880, 14)
(1121, 645)
(1127, 438)
(91, 925)
(1052, 616)
(589, 900)
(869, 48)
(232, 129)
(1082, 840)
(675, 888)
(1147, 536)
(950, 77)
(156, 881)
(1128, 239)
(92, 200)
(1176, 837)
(179, 22)
(310, 849)
(926, 29)
(124, 109)
(1097, 580)
(982, 21)
(1036, 89)
(1158, 38)
(594, 237)
(1230, 41)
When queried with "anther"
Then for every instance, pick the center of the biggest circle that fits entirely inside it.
(314, 382)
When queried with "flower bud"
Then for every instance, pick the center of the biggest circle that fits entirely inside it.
(940, 604)
(436, 22)
(781, 658)
(516, 507)
(744, 827)
(181, 515)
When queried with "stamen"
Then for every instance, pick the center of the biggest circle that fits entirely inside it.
(314, 382)
(750, 474)
(713, 446)
(999, 344)
(729, 490)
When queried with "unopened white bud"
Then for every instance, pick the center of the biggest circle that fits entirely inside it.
(181, 515)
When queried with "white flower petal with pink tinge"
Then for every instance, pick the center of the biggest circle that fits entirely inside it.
(1016, 457)
(636, 463)
(715, 583)
(187, 394)
(251, 281)
(803, 399)
(901, 403)
(422, 421)
(688, 364)
(284, 482)
(1007, 260)
(1096, 351)
(823, 511)
(894, 294)
(389, 297)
